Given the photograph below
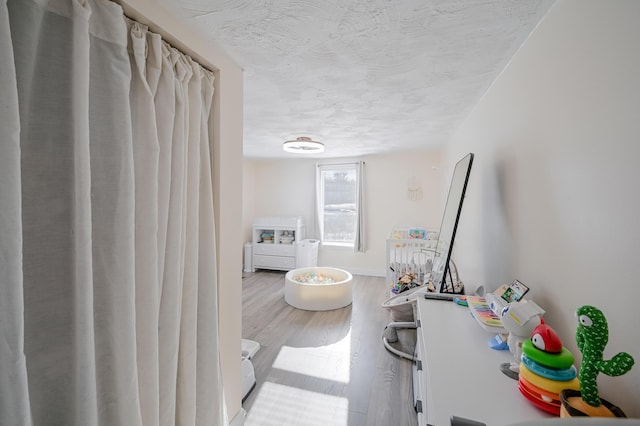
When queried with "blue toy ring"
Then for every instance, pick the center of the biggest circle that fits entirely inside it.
(560, 375)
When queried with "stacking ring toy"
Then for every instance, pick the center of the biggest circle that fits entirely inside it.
(552, 386)
(541, 394)
(562, 375)
(558, 361)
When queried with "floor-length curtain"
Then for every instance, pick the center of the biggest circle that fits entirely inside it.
(108, 300)
(319, 216)
(359, 243)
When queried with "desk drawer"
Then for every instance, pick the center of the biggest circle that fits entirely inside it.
(274, 262)
(274, 249)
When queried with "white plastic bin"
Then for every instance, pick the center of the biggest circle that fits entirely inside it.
(248, 257)
(307, 253)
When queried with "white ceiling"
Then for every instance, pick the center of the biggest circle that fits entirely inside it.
(362, 76)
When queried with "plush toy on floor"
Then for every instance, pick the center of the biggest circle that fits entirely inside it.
(592, 336)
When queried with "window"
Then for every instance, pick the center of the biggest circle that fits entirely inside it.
(339, 198)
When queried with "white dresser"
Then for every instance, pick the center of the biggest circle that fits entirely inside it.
(457, 373)
(274, 242)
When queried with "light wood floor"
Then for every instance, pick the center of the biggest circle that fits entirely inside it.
(324, 368)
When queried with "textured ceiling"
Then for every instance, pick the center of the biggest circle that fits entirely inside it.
(362, 76)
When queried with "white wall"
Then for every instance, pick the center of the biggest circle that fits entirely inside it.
(553, 198)
(287, 188)
(249, 171)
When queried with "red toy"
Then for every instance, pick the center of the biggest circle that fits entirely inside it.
(546, 339)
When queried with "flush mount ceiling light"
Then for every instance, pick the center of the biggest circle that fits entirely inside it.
(303, 145)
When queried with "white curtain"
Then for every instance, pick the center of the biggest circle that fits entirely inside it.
(359, 243)
(108, 295)
(319, 216)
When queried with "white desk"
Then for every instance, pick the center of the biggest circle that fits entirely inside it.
(461, 374)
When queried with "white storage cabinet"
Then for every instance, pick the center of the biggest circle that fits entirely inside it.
(274, 242)
(457, 374)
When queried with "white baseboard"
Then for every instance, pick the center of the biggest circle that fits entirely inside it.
(238, 420)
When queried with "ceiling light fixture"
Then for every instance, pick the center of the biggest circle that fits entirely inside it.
(303, 145)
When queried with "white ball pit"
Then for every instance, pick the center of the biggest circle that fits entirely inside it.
(318, 297)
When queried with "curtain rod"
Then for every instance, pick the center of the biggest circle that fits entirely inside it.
(135, 15)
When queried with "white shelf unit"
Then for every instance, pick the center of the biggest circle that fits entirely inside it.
(409, 255)
(280, 253)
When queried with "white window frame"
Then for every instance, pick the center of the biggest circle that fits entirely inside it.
(356, 243)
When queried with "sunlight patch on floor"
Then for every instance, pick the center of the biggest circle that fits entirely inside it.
(278, 405)
(330, 362)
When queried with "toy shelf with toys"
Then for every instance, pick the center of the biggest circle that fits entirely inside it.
(460, 374)
(456, 372)
(275, 241)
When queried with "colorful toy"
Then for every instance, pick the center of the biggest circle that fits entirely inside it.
(313, 278)
(592, 335)
(558, 374)
(549, 385)
(559, 360)
(546, 369)
(546, 339)
(541, 398)
(405, 282)
(519, 319)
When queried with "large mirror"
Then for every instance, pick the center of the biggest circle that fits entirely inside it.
(441, 275)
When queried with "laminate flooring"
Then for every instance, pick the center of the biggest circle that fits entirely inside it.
(325, 368)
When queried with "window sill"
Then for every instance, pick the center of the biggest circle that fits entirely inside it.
(338, 246)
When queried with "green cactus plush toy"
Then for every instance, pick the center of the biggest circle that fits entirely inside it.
(592, 336)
